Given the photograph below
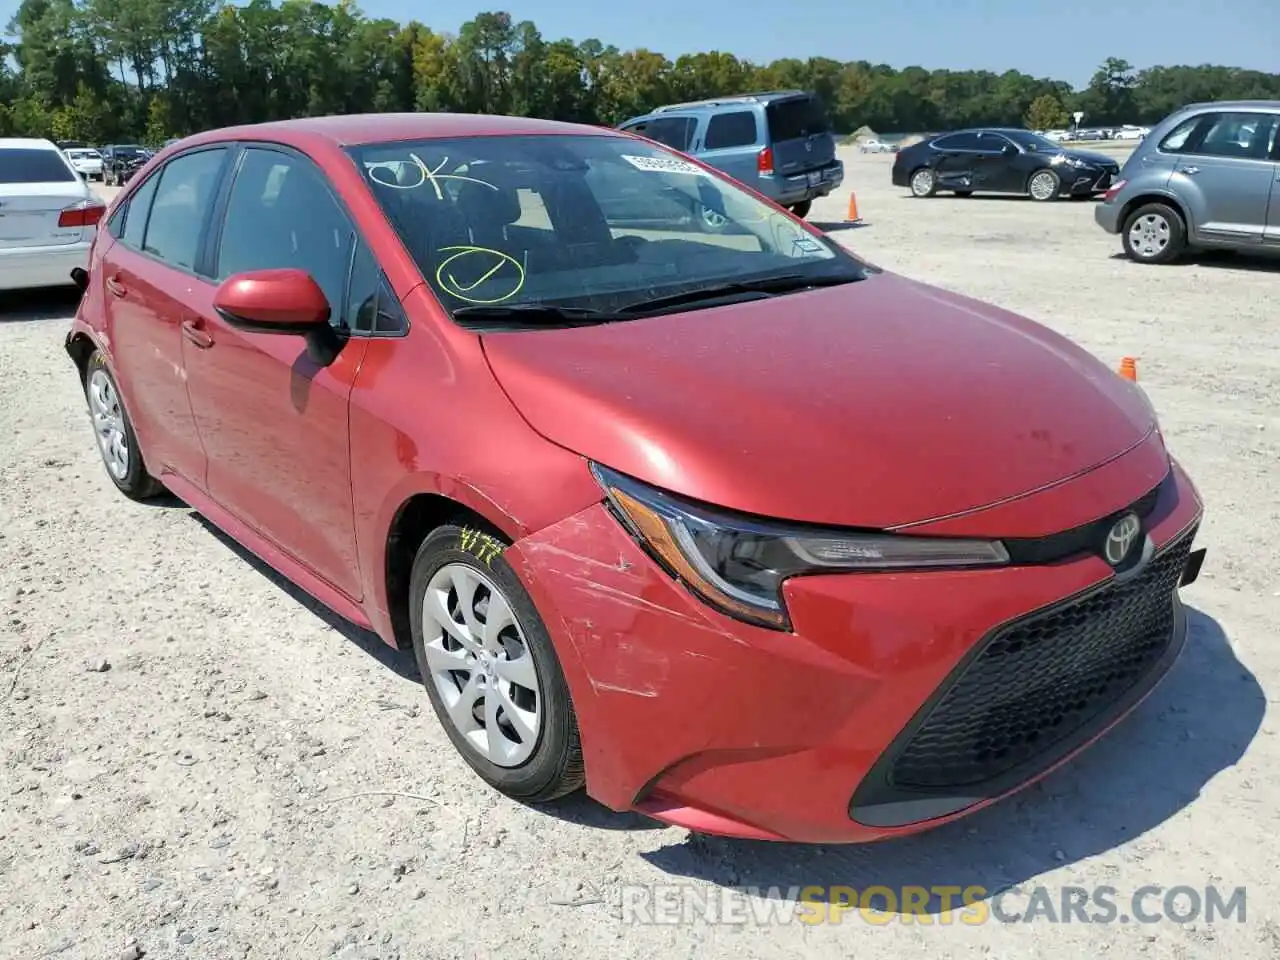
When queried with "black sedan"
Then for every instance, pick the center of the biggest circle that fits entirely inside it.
(1001, 161)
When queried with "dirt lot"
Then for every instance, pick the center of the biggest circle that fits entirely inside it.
(196, 756)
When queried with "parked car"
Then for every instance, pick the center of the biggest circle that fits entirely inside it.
(694, 521)
(1087, 135)
(120, 161)
(85, 161)
(48, 216)
(779, 144)
(1205, 177)
(1130, 133)
(1001, 160)
(875, 146)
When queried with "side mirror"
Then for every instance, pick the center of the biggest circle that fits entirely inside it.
(285, 301)
(272, 301)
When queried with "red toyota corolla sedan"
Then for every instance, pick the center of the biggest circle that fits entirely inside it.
(700, 512)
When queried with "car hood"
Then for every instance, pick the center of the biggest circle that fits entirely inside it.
(1088, 156)
(874, 404)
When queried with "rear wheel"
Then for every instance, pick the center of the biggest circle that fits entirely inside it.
(490, 668)
(117, 443)
(924, 183)
(1154, 233)
(802, 208)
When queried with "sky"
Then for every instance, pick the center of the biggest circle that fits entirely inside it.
(1061, 39)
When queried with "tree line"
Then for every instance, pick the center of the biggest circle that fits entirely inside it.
(127, 70)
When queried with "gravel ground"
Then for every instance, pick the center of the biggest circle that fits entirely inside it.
(200, 762)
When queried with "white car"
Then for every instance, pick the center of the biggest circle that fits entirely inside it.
(87, 163)
(48, 215)
(1130, 133)
(875, 146)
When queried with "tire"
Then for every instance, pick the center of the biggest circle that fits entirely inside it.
(113, 431)
(1154, 233)
(924, 183)
(1044, 186)
(964, 193)
(802, 208)
(538, 768)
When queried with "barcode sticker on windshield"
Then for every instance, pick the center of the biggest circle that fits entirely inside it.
(664, 165)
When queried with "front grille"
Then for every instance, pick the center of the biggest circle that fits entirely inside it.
(1037, 681)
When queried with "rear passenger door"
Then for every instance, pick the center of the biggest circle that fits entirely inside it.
(150, 283)
(1225, 171)
(274, 422)
(958, 157)
(731, 142)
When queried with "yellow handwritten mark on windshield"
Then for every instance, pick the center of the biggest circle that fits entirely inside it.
(451, 285)
(427, 175)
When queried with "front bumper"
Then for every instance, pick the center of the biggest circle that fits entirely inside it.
(703, 722)
(1086, 181)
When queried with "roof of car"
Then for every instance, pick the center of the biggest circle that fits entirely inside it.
(26, 143)
(364, 128)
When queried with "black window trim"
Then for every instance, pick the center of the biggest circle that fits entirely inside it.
(134, 187)
(207, 258)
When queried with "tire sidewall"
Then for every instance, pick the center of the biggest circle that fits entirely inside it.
(137, 482)
(1177, 234)
(558, 735)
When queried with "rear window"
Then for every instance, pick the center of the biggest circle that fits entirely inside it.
(24, 165)
(796, 118)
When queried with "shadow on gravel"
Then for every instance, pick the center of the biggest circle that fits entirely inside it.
(833, 227)
(1260, 261)
(581, 810)
(1196, 724)
(400, 662)
(23, 306)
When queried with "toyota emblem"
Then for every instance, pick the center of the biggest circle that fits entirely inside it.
(1121, 538)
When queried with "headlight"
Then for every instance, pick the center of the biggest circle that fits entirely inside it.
(738, 564)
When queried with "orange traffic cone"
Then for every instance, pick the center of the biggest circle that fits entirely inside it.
(853, 209)
(1129, 368)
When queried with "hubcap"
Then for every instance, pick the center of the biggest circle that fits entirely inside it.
(922, 183)
(481, 665)
(1042, 186)
(1149, 235)
(108, 424)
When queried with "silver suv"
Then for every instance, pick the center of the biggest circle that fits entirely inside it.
(1207, 176)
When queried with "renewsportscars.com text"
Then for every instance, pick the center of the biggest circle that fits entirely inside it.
(675, 904)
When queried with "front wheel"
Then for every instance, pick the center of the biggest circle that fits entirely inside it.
(1154, 233)
(924, 183)
(490, 668)
(802, 208)
(1044, 186)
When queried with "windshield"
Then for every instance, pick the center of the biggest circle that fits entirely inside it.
(83, 154)
(128, 150)
(594, 223)
(1032, 141)
(25, 165)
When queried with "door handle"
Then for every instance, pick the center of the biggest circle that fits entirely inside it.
(1189, 171)
(194, 331)
(115, 287)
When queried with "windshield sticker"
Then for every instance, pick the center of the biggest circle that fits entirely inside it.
(425, 175)
(805, 245)
(493, 266)
(665, 165)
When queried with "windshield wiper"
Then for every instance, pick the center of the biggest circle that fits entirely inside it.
(768, 286)
(531, 314)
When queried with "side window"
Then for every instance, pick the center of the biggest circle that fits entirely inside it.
(639, 128)
(372, 306)
(1178, 137)
(1245, 136)
(958, 141)
(992, 142)
(736, 129)
(675, 132)
(135, 212)
(282, 214)
(180, 207)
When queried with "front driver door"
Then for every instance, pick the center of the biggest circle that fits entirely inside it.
(274, 423)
